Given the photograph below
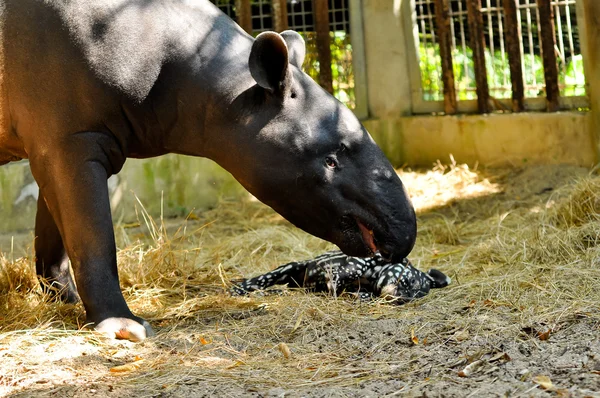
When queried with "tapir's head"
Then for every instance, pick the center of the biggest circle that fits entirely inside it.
(308, 157)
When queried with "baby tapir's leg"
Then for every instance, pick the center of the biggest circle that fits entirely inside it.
(345, 273)
(293, 273)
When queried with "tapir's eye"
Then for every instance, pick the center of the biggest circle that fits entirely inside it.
(294, 95)
(331, 162)
(342, 147)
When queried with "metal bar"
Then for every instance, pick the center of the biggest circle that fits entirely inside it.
(443, 30)
(588, 56)
(531, 49)
(491, 38)
(502, 45)
(321, 14)
(530, 104)
(423, 34)
(244, 15)
(359, 63)
(475, 23)
(463, 43)
(513, 35)
(411, 37)
(280, 17)
(548, 54)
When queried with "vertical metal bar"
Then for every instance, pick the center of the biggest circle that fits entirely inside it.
(531, 49)
(475, 21)
(513, 35)
(548, 54)
(321, 14)
(359, 63)
(502, 47)
(463, 43)
(488, 12)
(280, 17)
(243, 13)
(430, 17)
(411, 35)
(423, 35)
(443, 30)
(561, 44)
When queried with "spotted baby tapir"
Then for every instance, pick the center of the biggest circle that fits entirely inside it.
(337, 273)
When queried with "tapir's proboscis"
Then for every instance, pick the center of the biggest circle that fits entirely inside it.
(86, 84)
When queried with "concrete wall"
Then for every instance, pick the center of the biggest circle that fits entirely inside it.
(177, 184)
(492, 140)
(386, 58)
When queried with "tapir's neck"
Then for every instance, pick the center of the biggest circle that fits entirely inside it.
(195, 94)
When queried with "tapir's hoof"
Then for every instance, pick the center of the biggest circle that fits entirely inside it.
(125, 328)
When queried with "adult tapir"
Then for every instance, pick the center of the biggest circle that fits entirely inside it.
(86, 84)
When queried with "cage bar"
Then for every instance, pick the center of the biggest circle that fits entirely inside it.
(280, 17)
(475, 24)
(548, 42)
(513, 47)
(321, 16)
(445, 39)
(244, 14)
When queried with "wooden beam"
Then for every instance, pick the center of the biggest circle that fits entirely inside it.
(475, 22)
(280, 16)
(512, 33)
(321, 14)
(442, 16)
(243, 12)
(548, 40)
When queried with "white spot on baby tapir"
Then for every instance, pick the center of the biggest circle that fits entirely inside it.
(28, 190)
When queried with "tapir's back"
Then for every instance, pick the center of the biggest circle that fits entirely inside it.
(68, 62)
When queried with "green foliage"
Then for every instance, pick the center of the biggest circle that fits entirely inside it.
(341, 64)
(571, 79)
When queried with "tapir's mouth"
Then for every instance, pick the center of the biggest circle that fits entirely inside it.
(368, 236)
(370, 239)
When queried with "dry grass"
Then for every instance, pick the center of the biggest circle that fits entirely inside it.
(521, 246)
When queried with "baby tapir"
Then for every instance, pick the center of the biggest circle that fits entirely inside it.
(335, 272)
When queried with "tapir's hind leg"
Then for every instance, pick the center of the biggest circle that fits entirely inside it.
(51, 260)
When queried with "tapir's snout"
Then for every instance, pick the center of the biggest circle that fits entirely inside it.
(400, 235)
(382, 219)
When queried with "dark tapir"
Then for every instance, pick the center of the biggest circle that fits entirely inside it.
(86, 84)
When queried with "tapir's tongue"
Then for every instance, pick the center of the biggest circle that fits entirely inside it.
(367, 235)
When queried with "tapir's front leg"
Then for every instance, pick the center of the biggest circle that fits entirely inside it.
(72, 178)
(51, 260)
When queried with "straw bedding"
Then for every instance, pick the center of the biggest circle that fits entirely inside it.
(520, 318)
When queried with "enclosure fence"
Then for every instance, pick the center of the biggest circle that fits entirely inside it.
(497, 55)
(325, 26)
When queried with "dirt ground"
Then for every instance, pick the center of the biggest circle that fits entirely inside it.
(521, 317)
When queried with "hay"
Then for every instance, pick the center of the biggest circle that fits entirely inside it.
(523, 262)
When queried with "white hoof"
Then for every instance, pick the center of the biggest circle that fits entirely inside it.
(125, 328)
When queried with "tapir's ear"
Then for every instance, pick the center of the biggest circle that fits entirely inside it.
(296, 47)
(269, 61)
